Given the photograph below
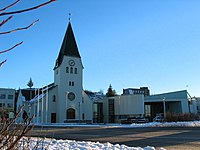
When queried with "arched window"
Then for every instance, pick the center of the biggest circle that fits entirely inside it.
(71, 70)
(75, 71)
(67, 69)
(71, 113)
(54, 98)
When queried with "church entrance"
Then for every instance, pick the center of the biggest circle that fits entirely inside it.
(71, 113)
(53, 117)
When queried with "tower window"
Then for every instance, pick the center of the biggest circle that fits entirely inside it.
(75, 71)
(67, 69)
(54, 98)
(71, 70)
(71, 83)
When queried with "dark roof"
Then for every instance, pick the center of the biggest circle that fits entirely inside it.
(69, 46)
(28, 93)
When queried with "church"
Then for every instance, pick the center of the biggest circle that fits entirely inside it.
(64, 100)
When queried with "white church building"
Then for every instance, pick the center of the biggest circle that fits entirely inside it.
(64, 100)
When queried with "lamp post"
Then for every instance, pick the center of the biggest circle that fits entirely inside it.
(79, 103)
(164, 109)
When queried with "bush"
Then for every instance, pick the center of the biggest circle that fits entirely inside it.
(172, 117)
(11, 133)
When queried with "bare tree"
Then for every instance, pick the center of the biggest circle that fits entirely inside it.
(10, 132)
(11, 14)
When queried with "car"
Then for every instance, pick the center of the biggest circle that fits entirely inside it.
(131, 120)
(158, 119)
(142, 120)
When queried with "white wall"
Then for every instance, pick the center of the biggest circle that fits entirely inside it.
(129, 105)
(87, 107)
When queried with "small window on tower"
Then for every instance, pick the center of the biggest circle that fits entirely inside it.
(71, 70)
(67, 69)
(75, 71)
(54, 98)
(72, 83)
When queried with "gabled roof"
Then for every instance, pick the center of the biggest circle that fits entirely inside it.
(69, 46)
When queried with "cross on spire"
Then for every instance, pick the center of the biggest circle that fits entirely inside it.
(69, 16)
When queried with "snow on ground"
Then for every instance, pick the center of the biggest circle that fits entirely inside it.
(134, 125)
(53, 144)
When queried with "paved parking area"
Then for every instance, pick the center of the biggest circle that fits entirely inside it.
(178, 138)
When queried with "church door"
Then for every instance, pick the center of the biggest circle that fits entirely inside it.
(71, 113)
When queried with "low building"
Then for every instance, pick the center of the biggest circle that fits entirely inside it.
(132, 91)
(7, 98)
(114, 109)
(173, 102)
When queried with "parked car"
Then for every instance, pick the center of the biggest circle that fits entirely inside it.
(158, 119)
(131, 120)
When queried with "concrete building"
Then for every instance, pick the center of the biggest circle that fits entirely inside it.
(174, 102)
(142, 90)
(114, 109)
(7, 97)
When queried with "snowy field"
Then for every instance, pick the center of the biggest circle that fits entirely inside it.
(53, 144)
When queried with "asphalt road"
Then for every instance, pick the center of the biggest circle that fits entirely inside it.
(170, 138)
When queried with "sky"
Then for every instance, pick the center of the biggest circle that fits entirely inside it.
(125, 43)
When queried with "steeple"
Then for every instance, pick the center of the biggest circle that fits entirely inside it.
(69, 46)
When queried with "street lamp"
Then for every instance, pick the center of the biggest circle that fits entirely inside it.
(164, 109)
(79, 103)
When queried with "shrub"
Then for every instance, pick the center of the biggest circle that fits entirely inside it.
(172, 117)
(11, 133)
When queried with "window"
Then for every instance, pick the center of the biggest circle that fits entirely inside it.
(10, 105)
(10, 96)
(2, 104)
(71, 96)
(2, 96)
(67, 69)
(71, 83)
(83, 116)
(54, 98)
(75, 71)
(70, 113)
(71, 70)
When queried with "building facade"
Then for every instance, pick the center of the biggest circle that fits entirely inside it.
(7, 97)
(173, 102)
(64, 100)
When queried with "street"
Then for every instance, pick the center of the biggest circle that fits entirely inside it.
(166, 137)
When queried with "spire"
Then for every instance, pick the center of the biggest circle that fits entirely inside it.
(69, 46)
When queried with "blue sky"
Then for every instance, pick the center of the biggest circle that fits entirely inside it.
(125, 43)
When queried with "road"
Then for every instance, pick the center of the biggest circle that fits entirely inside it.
(170, 138)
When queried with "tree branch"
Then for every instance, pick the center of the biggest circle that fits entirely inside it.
(9, 5)
(28, 9)
(24, 28)
(4, 51)
(4, 21)
(1, 63)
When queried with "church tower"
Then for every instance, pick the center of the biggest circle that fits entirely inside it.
(68, 76)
